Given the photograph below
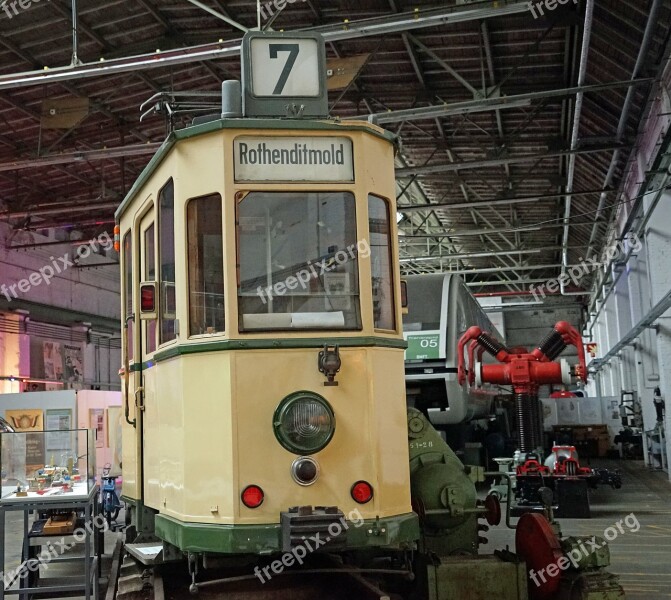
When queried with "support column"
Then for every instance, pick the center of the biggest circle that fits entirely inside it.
(624, 325)
(612, 336)
(658, 244)
(645, 359)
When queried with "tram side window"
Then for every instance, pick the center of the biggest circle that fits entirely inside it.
(298, 261)
(166, 236)
(206, 265)
(381, 263)
(150, 275)
(128, 291)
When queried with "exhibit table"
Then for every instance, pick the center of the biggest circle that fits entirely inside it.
(85, 504)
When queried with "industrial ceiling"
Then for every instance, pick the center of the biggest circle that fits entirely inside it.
(518, 131)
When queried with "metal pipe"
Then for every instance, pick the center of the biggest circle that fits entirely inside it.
(498, 162)
(463, 232)
(96, 265)
(332, 33)
(505, 282)
(5, 216)
(492, 103)
(498, 269)
(525, 306)
(473, 255)
(55, 224)
(512, 293)
(494, 202)
(81, 155)
(582, 73)
(75, 58)
(82, 242)
(457, 108)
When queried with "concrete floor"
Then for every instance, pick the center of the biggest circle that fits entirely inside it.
(641, 559)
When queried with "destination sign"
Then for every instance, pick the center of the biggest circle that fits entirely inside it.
(316, 159)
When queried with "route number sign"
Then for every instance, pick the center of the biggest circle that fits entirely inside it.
(285, 67)
(284, 75)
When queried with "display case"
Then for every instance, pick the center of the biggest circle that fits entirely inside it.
(43, 464)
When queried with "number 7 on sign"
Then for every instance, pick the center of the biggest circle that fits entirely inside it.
(292, 49)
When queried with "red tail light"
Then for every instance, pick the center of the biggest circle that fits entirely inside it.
(252, 496)
(362, 492)
(147, 294)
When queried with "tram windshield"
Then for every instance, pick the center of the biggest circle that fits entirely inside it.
(298, 261)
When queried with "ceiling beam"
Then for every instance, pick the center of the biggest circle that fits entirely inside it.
(60, 210)
(495, 162)
(502, 283)
(494, 103)
(494, 201)
(500, 269)
(342, 31)
(81, 155)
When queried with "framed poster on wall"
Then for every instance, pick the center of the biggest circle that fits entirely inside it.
(57, 421)
(31, 421)
(97, 423)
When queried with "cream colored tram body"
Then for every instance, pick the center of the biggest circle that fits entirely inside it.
(263, 344)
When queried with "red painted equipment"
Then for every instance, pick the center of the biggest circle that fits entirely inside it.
(538, 545)
(523, 370)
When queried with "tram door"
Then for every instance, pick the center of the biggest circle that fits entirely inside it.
(148, 341)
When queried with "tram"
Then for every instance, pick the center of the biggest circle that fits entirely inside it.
(263, 388)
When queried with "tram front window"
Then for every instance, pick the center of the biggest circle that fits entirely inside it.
(298, 261)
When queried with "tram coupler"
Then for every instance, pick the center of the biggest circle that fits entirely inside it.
(192, 560)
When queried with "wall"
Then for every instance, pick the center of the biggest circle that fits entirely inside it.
(78, 307)
(14, 358)
(80, 404)
(88, 290)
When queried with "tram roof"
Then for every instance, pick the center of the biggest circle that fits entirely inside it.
(256, 124)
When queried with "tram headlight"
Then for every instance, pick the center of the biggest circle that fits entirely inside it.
(304, 423)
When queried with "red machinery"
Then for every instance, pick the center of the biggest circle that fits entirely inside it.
(565, 459)
(524, 370)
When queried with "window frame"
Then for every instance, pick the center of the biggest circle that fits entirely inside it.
(242, 195)
(391, 254)
(159, 254)
(222, 230)
(150, 346)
